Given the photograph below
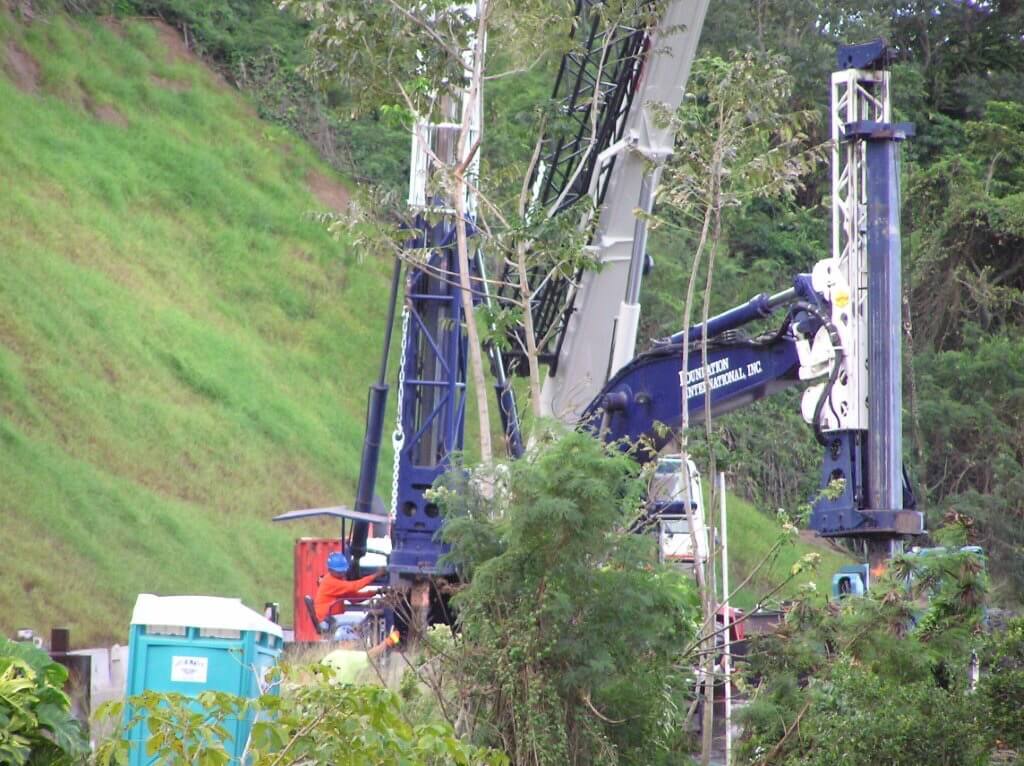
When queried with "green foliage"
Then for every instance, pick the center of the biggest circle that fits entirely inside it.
(229, 31)
(880, 679)
(36, 727)
(858, 718)
(370, 48)
(738, 139)
(968, 228)
(570, 632)
(972, 444)
(314, 721)
(771, 477)
(174, 727)
(1001, 689)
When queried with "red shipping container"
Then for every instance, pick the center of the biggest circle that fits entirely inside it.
(310, 565)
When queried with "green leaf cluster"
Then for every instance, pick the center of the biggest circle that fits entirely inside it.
(880, 679)
(972, 446)
(570, 634)
(1001, 690)
(36, 727)
(315, 720)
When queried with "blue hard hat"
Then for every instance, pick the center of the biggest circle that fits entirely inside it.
(337, 562)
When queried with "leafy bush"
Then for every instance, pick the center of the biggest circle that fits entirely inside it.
(315, 721)
(972, 436)
(857, 717)
(879, 679)
(36, 727)
(1001, 690)
(572, 637)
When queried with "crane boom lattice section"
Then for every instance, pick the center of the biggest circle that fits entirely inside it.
(593, 93)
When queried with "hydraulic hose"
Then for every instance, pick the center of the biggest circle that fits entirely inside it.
(837, 347)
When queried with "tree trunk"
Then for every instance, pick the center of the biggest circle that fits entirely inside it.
(472, 333)
(531, 337)
(699, 564)
(710, 606)
(476, 361)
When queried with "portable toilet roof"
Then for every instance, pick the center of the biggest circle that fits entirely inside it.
(204, 612)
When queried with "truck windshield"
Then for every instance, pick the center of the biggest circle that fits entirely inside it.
(676, 526)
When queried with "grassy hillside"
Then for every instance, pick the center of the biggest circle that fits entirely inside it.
(752, 535)
(183, 353)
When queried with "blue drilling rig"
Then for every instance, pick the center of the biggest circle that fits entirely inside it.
(839, 323)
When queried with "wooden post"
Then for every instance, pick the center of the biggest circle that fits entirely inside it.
(727, 656)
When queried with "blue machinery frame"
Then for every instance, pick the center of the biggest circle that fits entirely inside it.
(875, 504)
(433, 402)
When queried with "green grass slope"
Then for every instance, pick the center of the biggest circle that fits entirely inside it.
(752, 535)
(183, 352)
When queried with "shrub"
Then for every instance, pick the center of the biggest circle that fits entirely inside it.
(1001, 690)
(572, 636)
(36, 727)
(315, 721)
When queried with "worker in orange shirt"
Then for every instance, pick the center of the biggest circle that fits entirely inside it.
(335, 587)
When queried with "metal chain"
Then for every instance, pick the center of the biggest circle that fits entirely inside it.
(398, 436)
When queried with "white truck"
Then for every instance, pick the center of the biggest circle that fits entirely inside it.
(667, 504)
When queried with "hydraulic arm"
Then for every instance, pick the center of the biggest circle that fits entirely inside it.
(843, 323)
(740, 370)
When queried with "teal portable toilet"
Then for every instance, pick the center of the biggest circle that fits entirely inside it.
(191, 644)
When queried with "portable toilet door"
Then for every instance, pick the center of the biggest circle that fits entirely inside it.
(192, 644)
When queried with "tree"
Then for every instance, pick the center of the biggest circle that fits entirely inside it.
(36, 727)
(314, 721)
(1002, 685)
(874, 679)
(425, 59)
(968, 227)
(972, 461)
(417, 59)
(422, 59)
(571, 637)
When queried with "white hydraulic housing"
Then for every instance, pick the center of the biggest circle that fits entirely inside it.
(600, 336)
(843, 279)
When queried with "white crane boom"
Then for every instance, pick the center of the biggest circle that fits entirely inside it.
(600, 333)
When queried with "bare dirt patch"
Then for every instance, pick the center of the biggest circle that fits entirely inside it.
(176, 44)
(22, 68)
(330, 193)
(113, 24)
(179, 49)
(175, 86)
(106, 113)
